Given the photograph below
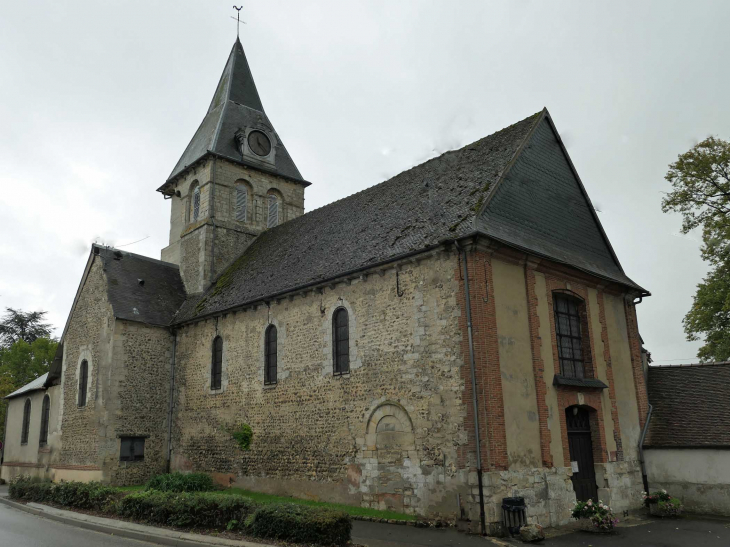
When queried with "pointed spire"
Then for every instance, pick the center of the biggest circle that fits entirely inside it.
(236, 83)
(236, 108)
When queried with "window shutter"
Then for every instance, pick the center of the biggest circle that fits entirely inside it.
(273, 211)
(241, 202)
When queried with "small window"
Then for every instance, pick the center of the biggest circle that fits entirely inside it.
(568, 334)
(216, 368)
(270, 356)
(83, 381)
(131, 449)
(26, 423)
(241, 202)
(273, 219)
(340, 342)
(45, 415)
(196, 204)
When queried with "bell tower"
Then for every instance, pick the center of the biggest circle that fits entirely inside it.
(233, 181)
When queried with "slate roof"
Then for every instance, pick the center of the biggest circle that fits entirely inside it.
(35, 385)
(140, 288)
(412, 211)
(236, 104)
(691, 406)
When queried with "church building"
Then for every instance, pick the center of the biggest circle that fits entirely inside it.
(460, 333)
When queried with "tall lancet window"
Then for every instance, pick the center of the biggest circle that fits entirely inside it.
(241, 202)
(196, 204)
(273, 211)
(26, 423)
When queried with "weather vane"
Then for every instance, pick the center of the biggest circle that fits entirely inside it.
(238, 19)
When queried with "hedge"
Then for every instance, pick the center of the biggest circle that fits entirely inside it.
(300, 524)
(180, 482)
(206, 510)
(79, 495)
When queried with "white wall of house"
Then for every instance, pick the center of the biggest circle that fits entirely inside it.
(700, 477)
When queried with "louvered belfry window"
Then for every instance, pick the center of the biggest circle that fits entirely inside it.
(83, 380)
(340, 341)
(270, 355)
(568, 334)
(216, 369)
(196, 203)
(26, 423)
(241, 202)
(273, 218)
(45, 415)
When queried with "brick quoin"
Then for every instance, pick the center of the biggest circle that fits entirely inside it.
(486, 360)
(635, 346)
(609, 376)
(537, 364)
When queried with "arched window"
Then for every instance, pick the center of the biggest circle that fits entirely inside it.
(216, 369)
(83, 381)
(273, 218)
(270, 355)
(340, 342)
(195, 205)
(26, 423)
(241, 202)
(45, 415)
(568, 318)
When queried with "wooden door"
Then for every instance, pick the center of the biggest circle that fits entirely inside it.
(581, 453)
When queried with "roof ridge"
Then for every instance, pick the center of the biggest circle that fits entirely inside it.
(691, 365)
(135, 255)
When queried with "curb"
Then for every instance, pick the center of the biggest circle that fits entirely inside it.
(126, 533)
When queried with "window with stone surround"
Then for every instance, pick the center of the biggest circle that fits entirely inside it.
(26, 423)
(195, 205)
(340, 342)
(83, 381)
(131, 449)
(45, 415)
(270, 356)
(570, 327)
(216, 368)
(242, 195)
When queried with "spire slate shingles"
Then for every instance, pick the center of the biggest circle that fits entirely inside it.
(236, 104)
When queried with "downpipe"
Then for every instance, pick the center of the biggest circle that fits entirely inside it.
(644, 476)
(482, 517)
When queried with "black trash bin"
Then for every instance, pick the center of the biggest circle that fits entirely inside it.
(514, 514)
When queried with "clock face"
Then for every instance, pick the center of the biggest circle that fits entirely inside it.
(259, 143)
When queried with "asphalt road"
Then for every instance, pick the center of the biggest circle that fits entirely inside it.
(19, 529)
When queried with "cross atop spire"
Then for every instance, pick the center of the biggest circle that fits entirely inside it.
(238, 19)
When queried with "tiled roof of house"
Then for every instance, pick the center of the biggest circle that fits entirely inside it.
(691, 406)
(141, 289)
(30, 386)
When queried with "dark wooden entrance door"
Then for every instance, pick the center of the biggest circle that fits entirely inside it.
(581, 453)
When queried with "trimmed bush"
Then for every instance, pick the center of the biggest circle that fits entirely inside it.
(300, 524)
(188, 510)
(181, 482)
(80, 495)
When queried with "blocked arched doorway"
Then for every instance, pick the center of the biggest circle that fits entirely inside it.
(580, 443)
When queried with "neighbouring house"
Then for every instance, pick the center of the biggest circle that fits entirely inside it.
(457, 334)
(687, 446)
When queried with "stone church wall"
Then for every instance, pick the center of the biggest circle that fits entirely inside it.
(89, 336)
(388, 434)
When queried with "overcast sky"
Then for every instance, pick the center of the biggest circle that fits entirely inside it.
(99, 99)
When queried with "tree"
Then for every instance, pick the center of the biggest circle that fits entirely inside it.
(700, 180)
(19, 325)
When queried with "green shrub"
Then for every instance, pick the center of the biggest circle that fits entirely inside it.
(181, 482)
(300, 524)
(187, 510)
(79, 495)
(242, 435)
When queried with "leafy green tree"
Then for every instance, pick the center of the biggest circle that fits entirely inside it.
(19, 325)
(700, 180)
